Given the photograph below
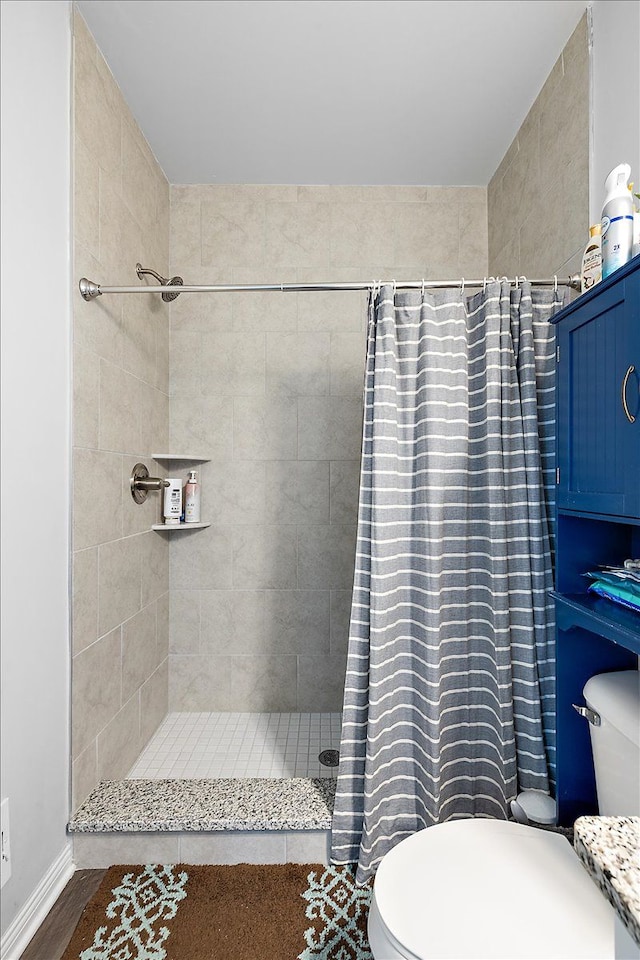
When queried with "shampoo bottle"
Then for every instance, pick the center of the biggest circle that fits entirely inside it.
(592, 259)
(173, 500)
(192, 499)
(617, 220)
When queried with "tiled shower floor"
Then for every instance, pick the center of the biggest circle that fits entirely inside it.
(219, 745)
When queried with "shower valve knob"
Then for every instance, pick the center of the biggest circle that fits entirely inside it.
(140, 483)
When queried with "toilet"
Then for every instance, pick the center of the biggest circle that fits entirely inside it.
(495, 889)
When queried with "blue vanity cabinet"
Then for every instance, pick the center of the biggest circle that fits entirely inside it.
(597, 509)
(598, 351)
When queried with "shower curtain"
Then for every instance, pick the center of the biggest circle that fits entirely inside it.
(449, 698)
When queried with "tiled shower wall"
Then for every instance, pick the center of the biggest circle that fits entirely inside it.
(120, 416)
(269, 386)
(538, 197)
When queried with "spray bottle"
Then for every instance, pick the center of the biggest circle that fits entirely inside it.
(617, 220)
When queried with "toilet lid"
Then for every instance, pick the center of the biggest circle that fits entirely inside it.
(491, 889)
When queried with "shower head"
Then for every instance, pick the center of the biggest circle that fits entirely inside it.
(173, 282)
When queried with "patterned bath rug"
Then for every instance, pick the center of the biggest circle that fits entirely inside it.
(243, 912)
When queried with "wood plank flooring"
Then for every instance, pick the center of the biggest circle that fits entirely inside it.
(52, 938)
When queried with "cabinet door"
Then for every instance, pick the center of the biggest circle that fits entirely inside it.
(599, 433)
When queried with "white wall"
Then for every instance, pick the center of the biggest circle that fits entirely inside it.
(616, 94)
(36, 61)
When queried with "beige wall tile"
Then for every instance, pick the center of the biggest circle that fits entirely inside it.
(426, 233)
(232, 364)
(233, 233)
(119, 409)
(154, 702)
(201, 559)
(96, 122)
(86, 200)
(97, 502)
(97, 325)
(321, 683)
(340, 616)
(296, 621)
(348, 354)
(138, 650)
(119, 582)
(360, 232)
(297, 491)
(154, 418)
(96, 689)
(86, 397)
(85, 598)
(326, 555)
(331, 311)
(121, 214)
(184, 621)
(264, 429)
(329, 428)
(138, 180)
(202, 425)
(139, 319)
(232, 622)
(162, 637)
(119, 743)
(201, 312)
(344, 486)
(264, 557)
(237, 491)
(298, 234)
(186, 238)
(84, 774)
(297, 364)
(538, 198)
(121, 237)
(154, 565)
(259, 313)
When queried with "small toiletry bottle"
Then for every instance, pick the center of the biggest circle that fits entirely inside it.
(192, 499)
(592, 259)
(617, 220)
(635, 249)
(173, 500)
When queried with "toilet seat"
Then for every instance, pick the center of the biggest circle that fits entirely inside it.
(487, 889)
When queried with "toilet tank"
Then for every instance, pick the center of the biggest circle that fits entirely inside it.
(615, 697)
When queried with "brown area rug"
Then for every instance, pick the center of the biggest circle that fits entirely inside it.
(244, 912)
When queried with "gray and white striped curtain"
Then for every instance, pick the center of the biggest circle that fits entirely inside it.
(449, 697)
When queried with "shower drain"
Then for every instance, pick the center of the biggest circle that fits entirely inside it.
(329, 758)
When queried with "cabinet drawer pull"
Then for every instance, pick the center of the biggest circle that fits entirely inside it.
(630, 417)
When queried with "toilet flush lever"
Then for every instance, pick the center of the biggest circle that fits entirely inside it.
(591, 715)
(140, 483)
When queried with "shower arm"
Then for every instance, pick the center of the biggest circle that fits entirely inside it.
(90, 290)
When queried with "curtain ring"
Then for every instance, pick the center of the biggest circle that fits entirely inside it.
(517, 283)
(395, 287)
(422, 289)
(484, 285)
(555, 283)
(462, 287)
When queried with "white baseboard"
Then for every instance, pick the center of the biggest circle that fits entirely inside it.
(25, 926)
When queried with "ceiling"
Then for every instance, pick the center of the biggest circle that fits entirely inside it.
(330, 91)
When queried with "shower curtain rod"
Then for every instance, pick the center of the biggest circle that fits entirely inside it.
(91, 290)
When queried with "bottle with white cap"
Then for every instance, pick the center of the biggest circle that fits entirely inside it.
(192, 499)
(617, 220)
